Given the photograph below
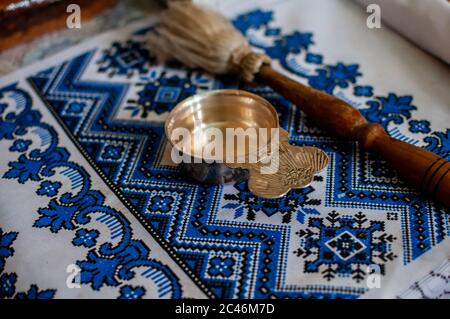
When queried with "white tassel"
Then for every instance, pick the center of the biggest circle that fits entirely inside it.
(202, 38)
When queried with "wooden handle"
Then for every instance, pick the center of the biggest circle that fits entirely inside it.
(420, 168)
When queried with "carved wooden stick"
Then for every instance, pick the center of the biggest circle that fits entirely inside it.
(422, 169)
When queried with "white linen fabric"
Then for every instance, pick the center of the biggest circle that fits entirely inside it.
(426, 23)
(84, 180)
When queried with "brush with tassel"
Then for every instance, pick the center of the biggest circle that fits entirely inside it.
(201, 38)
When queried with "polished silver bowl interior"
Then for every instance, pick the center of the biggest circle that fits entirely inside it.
(221, 109)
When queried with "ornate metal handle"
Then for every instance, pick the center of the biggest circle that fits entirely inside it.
(296, 169)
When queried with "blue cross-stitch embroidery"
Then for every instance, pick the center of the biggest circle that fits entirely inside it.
(218, 232)
(8, 280)
(48, 188)
(108, 263)
(416, 126)
(221, 266)
(129, 292)
(366, 91)
(343, 245)
(20, 146)
(162, 95)
(75, 107)
(86, 238)
(245, 201)
(439, 143)
(125, 59)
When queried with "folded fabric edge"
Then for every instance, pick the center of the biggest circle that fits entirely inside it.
(425, 23)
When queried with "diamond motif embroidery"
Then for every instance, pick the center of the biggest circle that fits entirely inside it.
(345, 245)
(190, 225)
(167, 94)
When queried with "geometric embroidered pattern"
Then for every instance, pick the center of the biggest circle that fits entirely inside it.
(235, 244)
(114, 258)
(344, 246)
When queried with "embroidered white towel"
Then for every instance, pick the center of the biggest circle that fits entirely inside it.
(426, 23)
